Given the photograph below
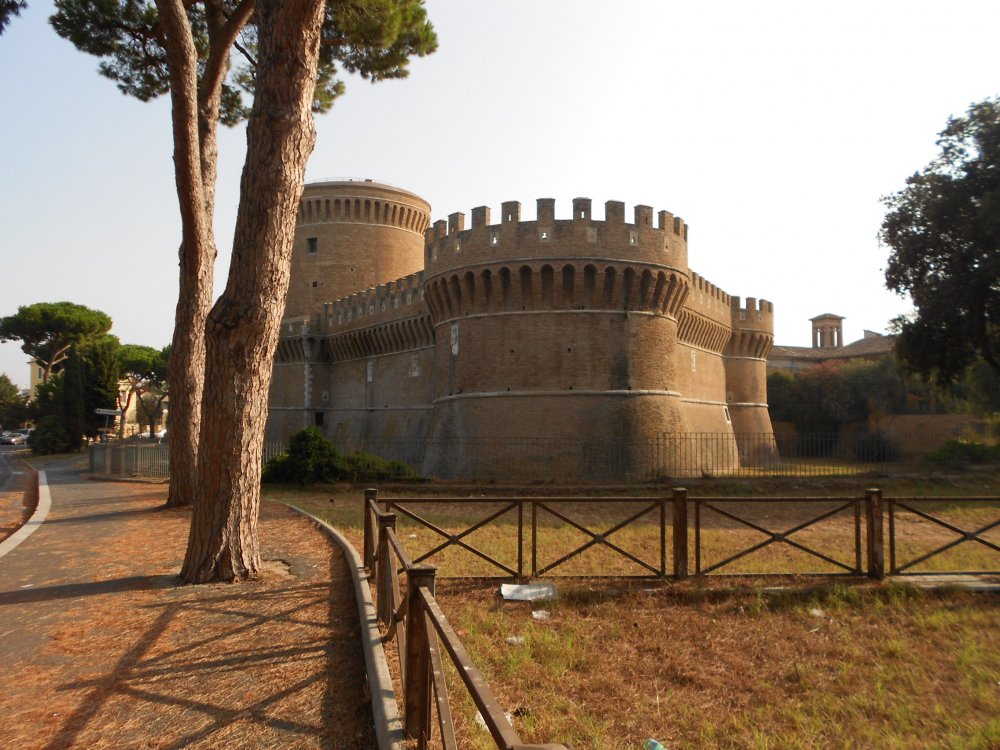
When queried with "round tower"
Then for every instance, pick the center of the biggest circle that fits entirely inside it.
(746, 378)
(351, 235)
(558, 330)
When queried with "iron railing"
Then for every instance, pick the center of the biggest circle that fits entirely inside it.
(595, 459)
(731, 536)
(418, 625)
(985, 512)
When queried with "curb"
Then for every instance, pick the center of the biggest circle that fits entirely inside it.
(36, 520)
(385, 711)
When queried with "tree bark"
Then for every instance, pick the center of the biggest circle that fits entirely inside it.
(197, 254)
(194, 299)
(243, 326)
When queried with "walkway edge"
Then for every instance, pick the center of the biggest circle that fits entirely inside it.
(36, 520)
(385, 710)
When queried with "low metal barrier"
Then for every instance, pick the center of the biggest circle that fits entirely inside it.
(974, 536)
(844, 536)
(420, 628)
(529, 562)
(784, 536)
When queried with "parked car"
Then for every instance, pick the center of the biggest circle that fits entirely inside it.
(13, 438)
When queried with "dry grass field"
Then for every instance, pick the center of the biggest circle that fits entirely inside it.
(723, 661)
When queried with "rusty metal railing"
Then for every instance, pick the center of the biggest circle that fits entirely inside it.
(972, 536)
(420, 628)
(779, 537)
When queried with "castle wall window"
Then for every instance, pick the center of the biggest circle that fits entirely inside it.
(313, 244)
(318, 418)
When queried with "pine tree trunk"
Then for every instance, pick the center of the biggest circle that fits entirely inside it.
(243, 326)
(197, 255)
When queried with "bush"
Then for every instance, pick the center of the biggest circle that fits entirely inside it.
(312, 458)
(875, 448)
(278, 470)
(50, 437)
(958, 453)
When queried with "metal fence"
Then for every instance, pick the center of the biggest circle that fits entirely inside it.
(425, 640)
(597, 459)
(521, 538)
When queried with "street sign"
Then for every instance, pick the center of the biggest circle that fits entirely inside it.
(108, 412)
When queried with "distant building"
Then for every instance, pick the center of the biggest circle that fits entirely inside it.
(828, 346)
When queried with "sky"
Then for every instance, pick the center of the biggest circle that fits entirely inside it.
(772, 128)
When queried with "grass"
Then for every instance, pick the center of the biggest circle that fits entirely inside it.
(722, 662)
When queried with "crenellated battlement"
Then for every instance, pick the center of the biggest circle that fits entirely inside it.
(754, 315)
(659, 239)
(398, 299)
(487, 324)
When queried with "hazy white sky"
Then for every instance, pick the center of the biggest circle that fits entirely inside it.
(772, 128)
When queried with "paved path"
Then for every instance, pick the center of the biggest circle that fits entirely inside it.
(101, 647)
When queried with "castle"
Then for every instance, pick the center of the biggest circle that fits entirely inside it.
(515, 349)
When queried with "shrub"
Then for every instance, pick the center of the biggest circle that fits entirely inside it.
(958, 453)
(313, 458)
(278, 470)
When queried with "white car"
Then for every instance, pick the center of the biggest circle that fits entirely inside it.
(13, 438)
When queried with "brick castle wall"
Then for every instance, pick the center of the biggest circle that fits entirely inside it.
(573, 331)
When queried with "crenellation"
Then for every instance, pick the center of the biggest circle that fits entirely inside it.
(614, 212)
(510, 212)
(480, 217)
(546, 211)
(549, 328)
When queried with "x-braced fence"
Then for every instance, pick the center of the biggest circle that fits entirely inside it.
(657, 537)
(412, 617)
(972, 536)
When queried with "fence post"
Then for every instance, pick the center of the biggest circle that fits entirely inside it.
(369, 550)
(680, 533)
(875, 536)
(418, 672)
(383, 568)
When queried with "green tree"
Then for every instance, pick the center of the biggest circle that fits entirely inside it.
(290, 50)
(150, 48)
(73, 401)
(9, 9)
(48, 411)
(943, 230)
(99, 359)
(48, 330)
(12, 404)
(144, 369)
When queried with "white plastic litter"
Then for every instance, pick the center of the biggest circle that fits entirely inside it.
(816, 612)
(540, 614)
(482, 722)
(515, 640)
(527, 592)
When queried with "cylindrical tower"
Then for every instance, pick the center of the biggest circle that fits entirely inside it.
(554, 339)
(746, 378)
(351, 235)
